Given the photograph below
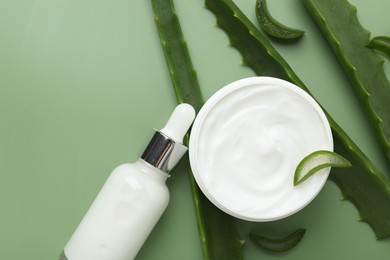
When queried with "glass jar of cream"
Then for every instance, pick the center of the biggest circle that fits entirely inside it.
(248, 139)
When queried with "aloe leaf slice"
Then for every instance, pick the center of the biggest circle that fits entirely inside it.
(272, 26)
(316, 161)
(380, 43)
(278, 245)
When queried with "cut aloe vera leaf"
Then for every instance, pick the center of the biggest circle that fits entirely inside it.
(316, 161)
(278, 245)
(272, 26)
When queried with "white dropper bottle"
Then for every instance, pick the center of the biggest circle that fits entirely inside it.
(133, 198)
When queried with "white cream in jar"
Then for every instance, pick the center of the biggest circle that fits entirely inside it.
(246, 143)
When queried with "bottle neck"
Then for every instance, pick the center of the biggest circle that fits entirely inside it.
(162, 152)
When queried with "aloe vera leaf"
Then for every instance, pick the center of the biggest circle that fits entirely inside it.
(338, 22)
(218, 234)
(272, 26)
(380, 43)
(278, 245)
(181, 70)
(363, 184)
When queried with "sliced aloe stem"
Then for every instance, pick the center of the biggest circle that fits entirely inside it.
(380, 43)
(317, 161)
(338, 22)
(272, 26)
(218, 234)
(363, 184)
(278, 245)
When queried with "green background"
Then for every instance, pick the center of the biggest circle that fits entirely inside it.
(84, 82)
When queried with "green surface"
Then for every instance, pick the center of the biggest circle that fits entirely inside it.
(82, 84)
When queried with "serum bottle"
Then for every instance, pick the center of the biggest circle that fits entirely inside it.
(133, 198)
